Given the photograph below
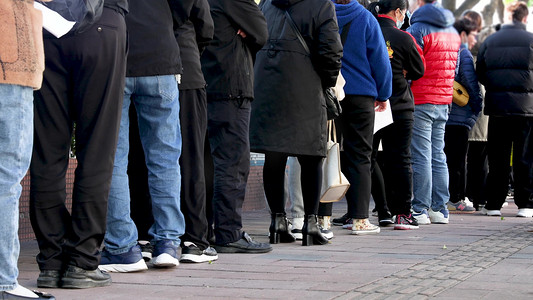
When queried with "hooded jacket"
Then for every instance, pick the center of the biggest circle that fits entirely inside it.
(365, 62)
(432, 28)
(227, 62)
(466, 75)
(505, 68)
(404, 54)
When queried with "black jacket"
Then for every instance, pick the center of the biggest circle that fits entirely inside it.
(122, 4)
(404, 55)
(227, 62)
(192, 38)
(288, 113)
(153, 49)
(505, 67)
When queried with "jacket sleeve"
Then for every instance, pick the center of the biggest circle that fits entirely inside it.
(416, 65)
(417, 34)
(468, 78)
(481, 66)
(181, 10)
(327, 60)
(246, 16)
(203, 23)
(378, 58)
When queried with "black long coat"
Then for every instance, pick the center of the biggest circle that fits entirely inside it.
(289, 111)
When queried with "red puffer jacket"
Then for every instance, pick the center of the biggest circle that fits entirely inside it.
(432, 28)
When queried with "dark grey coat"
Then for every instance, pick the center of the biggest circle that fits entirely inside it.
(289, 111)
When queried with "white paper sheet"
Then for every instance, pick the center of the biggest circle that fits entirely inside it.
(383, 118)
(54, 22)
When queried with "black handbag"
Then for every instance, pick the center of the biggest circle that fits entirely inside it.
(333, 105)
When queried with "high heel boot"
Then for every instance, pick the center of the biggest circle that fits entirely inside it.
(279, 229)
(311, 233)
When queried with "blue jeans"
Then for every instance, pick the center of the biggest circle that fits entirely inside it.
(157, 104)
(430, 172)
(16, 141)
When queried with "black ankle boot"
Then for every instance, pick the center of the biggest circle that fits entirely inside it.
(311, 233)
(279, 229)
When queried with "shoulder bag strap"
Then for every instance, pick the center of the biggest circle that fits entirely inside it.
(345, 30)
(298, 34)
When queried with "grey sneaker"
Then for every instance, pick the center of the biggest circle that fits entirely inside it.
(78, 278)
(460, 208)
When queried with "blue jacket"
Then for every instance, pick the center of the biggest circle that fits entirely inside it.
(466, 115)
(365, 62)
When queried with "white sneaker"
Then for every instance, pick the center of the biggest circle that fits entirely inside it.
(525, 212)
(505, 204)
(491, 212)
(363, 227)
(468, 202)
(422, 218)
(439, 217)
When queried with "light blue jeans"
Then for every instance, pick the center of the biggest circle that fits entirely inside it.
(293, 189)
(16, 142)
(430, 172)
(157, 104)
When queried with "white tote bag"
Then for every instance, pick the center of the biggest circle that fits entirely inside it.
(334, 183)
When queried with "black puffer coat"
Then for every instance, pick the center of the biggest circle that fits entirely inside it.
(505, 67)
(289, 111)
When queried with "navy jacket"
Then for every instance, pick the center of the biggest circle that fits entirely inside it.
(466, 115)
(505, 68)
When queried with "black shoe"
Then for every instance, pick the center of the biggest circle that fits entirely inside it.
(49, 279)
(244, 245)
(340, 221)
(78, 278)
(279, 229)
(311, 234)
(385, 219)
(190, 253)
(146, 250)
(41, 295)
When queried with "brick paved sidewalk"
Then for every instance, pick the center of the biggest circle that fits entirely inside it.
(473, 257)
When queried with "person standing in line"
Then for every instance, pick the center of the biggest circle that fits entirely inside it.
(504, 67)
(21, 67)
(83, 84)
(227, 64)
(461, 119)
(367, 71)
(289, 89)
(152, 67)
(432, 28)
(192, 38)
(407, 63)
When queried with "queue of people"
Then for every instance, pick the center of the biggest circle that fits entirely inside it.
(211, 80)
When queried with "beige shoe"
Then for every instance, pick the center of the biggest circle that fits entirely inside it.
(363, 226)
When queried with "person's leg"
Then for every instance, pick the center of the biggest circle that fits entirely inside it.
(378, 183)
(228, 129)
(50, 219)
(274, 180)
(157, 103)
(295, 192)
(453, 148)
(357, 128)
(193, 119)
(140, 204)
(477, 171)
(398, 173)
(499, 155)
(16, 140)
(439, 170)
(523, 164)
(421, 149)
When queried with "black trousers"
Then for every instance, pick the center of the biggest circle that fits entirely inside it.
(396, 163)
(456, 149)
(193, 118)
(357, 122)
(506, 133)
(477, 170)
(83, 83)
(228, 131)
(274, 181)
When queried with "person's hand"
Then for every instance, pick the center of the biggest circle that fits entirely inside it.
(404, 73)
(380, 105)
(241, 33)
